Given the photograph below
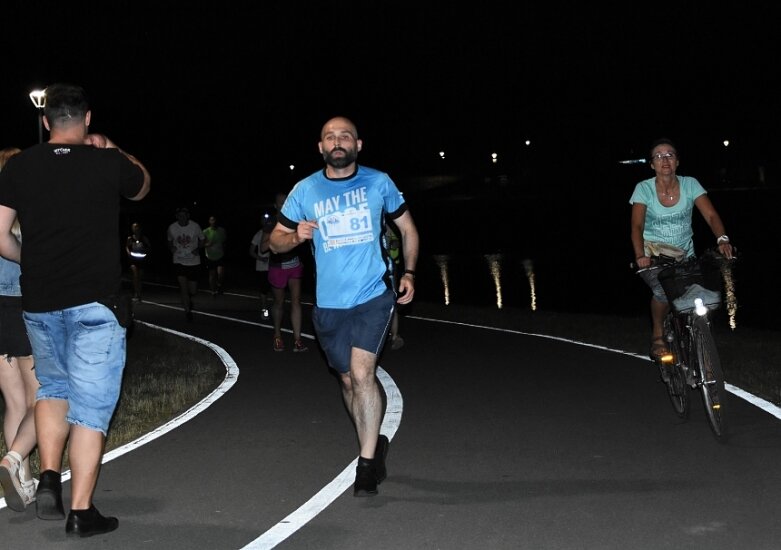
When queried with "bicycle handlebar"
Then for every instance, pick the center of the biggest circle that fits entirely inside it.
(711, 254)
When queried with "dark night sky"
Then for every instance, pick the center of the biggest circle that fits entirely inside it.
(171, 82)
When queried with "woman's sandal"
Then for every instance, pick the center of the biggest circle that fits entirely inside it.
(658, 348)
(12, 485)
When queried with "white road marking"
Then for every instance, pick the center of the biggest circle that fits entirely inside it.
(391, 422)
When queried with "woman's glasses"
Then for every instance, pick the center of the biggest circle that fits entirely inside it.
(660, 156)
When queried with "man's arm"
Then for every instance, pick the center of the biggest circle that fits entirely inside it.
(147, 178)
(253, 247)
(410, 245)
(284, 239)
(10, 247)
(103, 142)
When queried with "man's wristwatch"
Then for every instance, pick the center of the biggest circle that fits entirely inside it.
(410, 272)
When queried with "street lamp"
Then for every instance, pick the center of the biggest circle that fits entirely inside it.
(38, 97)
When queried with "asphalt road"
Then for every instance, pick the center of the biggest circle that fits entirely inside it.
(499, 440)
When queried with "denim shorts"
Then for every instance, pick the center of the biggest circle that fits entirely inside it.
(651, 278)
(79, 357)
(365, 326)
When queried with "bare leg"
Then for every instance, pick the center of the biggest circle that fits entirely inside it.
(12, 387)
(52, 430)
(295, 307)
(19, 385)
(213, 280)
(136, 271)
(184, 292)
(192, 290)
(84, 453)
(220, 276)
(658, 312)
(278, 309)
(363, 400)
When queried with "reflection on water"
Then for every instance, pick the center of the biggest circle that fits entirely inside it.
(441, 261)
(528, 267)
(464, 279)
(495, 267)
(472, 280)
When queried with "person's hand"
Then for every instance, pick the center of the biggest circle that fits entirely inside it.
(643, 262)
(406, 289)
(726, 250)
(99, 140)
(306, 230)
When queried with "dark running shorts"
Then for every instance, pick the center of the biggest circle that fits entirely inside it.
(189, 272)
(364, 327)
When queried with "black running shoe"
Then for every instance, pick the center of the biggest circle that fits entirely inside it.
(380, 453)
(365, 478)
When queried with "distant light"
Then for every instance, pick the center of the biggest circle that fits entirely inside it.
(442, 155)
(38, 97)
(494, 157)
(726, 143)
(528, 142)
(292, 167)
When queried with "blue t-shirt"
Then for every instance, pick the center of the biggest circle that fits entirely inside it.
(669, 224)
(352, 266)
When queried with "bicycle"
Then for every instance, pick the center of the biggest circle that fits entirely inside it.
(693, 288)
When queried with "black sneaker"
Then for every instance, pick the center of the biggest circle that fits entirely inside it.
(365, 478)
(89, 522)
(48, 496)
(380, 453)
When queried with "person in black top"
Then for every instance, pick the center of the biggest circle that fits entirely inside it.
(66, 193)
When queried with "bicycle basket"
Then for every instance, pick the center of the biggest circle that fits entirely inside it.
(686, 281)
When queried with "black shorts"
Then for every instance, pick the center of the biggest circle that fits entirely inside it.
(189, 272)
(214, 264)
(13, 333)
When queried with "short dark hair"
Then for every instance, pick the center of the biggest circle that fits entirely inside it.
(65, 103)
(661, 141)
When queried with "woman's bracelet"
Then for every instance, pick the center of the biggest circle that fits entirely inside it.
(721, 240)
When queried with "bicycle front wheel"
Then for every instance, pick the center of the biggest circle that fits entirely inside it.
(711, 377)
(678, 391)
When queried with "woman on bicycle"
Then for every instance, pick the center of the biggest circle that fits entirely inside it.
(662, 220)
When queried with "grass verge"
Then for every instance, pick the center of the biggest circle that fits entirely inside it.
(165, 375)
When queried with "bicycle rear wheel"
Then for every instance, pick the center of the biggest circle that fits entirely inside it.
(711, 377)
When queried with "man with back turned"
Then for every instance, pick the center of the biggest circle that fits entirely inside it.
(67, 195)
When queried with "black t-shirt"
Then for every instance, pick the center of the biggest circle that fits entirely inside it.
(67, 199)
(276, 260)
